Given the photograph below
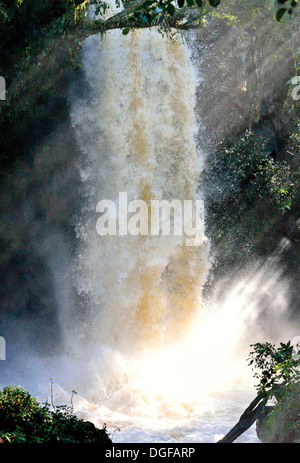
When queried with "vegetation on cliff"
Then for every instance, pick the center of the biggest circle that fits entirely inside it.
(24, 420)
(249, 183)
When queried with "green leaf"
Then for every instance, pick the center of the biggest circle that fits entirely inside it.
(214, 3)
(180, 3)
(199, 3)
(126, 30)
(280, 13)
(190, 2)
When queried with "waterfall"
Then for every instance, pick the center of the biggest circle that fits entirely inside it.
(150, 356)
(122, 307)
(135, 125)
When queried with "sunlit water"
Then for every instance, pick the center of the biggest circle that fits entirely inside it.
(191, 390)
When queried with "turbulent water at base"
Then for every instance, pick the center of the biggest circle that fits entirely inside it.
(146, 355)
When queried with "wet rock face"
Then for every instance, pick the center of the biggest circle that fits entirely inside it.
(274, 433)
(261, 426)
(280, 424)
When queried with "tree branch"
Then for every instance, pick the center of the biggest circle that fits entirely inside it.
(249, 416)
(185, 18)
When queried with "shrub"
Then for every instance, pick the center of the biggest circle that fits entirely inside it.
(24, 420)
(248, 187)
(274, 367)
(278, 375)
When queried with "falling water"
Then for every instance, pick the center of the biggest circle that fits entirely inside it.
(150, 356)
(136, 128)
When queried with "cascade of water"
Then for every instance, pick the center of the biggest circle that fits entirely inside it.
(136, 128)
(153, 355)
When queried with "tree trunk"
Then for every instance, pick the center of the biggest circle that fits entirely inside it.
(249, 416)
